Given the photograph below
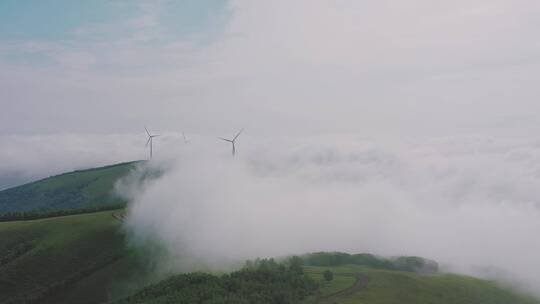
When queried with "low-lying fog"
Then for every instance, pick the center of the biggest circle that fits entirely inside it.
(298, 69)
(470, 203)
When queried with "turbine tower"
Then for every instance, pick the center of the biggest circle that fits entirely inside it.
(186, 140)
(150, 140)
(232, 141)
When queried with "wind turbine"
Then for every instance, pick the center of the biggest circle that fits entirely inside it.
(150, 140)
(232, 141)
(186, 140)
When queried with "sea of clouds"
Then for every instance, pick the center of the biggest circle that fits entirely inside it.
(470, 203)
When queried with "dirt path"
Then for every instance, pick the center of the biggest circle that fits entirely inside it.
(119, 216)
(361, 283)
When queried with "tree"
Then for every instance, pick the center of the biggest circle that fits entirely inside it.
(328, 275)
(295, 264)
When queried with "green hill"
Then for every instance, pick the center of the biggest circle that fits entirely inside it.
(75, 190)
(361, 284)
(70, 259)
(83, 259)
(270, 282)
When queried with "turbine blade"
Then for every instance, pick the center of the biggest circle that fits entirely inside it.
(225, 139)
(149, 139)
(238, 134)
(147, 131)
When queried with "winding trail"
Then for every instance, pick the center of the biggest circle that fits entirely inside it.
(119, 216)
(361, 282)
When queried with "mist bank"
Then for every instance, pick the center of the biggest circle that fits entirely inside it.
(469, 203)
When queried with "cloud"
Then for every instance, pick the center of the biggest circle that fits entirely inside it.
(471, 203)
(297, 67)
(442, 95)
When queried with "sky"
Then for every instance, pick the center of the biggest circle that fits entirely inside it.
(297, 67)
(375, 70)
(426, 108)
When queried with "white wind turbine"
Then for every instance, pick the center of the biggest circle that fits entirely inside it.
(186, 140)
(232, 141)
(150, 140)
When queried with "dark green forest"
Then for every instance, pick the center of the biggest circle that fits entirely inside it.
(262, 281)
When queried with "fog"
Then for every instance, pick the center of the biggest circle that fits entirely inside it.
(299, 67)
(379, 126)
(470, 203)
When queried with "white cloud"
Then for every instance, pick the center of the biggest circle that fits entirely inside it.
(469, 203)
(375, 68)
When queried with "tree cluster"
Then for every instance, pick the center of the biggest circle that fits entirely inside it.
(33, 215)
(412, 264)
(263, 281)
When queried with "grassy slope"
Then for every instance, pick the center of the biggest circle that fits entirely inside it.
(71, 259)
(82, 259)
(386, 287)
(78, 189)
(326, 288)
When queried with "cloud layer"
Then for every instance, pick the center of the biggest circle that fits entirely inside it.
(289, 67)
(472, 204)
(463, 73)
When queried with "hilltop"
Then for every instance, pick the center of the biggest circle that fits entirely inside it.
(82, 189)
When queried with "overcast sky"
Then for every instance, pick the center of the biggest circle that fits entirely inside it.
(418, 67)
(429, 109)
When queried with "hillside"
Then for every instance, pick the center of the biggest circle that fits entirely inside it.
(379, 286)
(84, 259)
(70, 259)
(79, 189)
(352, 284)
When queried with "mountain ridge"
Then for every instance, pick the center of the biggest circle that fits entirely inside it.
(78, 189)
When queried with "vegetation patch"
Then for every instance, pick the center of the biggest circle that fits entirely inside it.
(412, 264)
(391, 286)
(262, 281)
(46, 259)
(64, 194)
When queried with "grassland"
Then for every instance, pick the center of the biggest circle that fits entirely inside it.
(390, 287)
(71, 259)
(83, 259)
(79, 189)
(327, 288)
